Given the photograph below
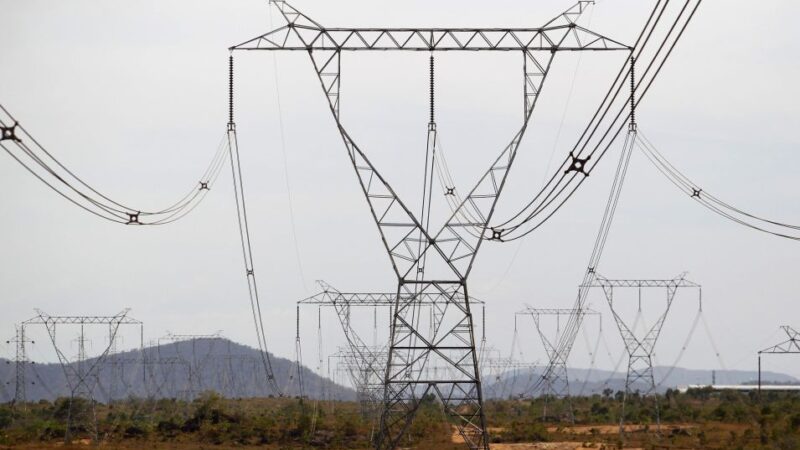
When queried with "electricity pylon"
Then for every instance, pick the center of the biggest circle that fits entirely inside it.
(790, 346)
(429, 260)
(81, 374)
(195, 365)
(497, 370)
(365, 363)
(556, 381)
(641, 348)
(21, 363)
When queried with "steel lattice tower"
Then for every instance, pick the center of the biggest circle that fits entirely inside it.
(426, 260)
(81, 375)
(366, 363)
(556, 381)
(791, 346)
(497, 370)
(193, 364)
(20, 365)
(641, 348)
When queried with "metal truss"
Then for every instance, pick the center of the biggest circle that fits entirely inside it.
(21, 363)
(81, 373)
(790, 346)
(640, 349)
(555, 381)
(497, 370)
(366, 364)
(432, 261)
(193, 364)
(363, 376)
(160, 371)
(302, 33)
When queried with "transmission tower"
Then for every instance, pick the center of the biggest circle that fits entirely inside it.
(193, 363)
(641, 347)
(160, 372)
(791, 346)
(497, 370)
(556, 381)
(116, 363)
(21, 363)
(366, 363)
(81, 375)
(430, 260)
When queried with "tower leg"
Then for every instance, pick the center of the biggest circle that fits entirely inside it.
(432, 357)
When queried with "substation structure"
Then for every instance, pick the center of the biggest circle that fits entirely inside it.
(555, 382)
(81, 373)
(641, 347)
(428, 260)
(791, 346)
(364, 362)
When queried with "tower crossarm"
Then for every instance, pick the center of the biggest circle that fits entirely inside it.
(677, 282)
(300, 33)
(557, 311)
(330, 297)
(309, 38)
(792, 345)
(43, 318)
(171, 337)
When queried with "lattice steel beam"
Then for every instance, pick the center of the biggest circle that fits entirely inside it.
(303, 34)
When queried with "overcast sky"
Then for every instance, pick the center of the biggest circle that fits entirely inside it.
(132, 96)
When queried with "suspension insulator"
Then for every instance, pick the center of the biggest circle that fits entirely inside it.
(633, 94)
(432, 92)
(230, 89)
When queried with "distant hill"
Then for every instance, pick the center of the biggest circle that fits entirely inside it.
(176, 370)
(587, 382)
(184, 369)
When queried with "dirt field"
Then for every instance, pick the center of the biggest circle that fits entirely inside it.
(551, 446)
(613, 429)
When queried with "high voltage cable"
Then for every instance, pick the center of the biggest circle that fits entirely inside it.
(713, 203)
(575, 320)
(43, 165)
(563, 181)
(244, 235)
(656, 15)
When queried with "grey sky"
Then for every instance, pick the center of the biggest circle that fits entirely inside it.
(132, 96)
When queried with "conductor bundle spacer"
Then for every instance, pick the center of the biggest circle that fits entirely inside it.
(578, 164)
(497, 235)
(9, 133)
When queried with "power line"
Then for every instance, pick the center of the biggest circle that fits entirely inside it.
(713, 203)
(44, 166)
